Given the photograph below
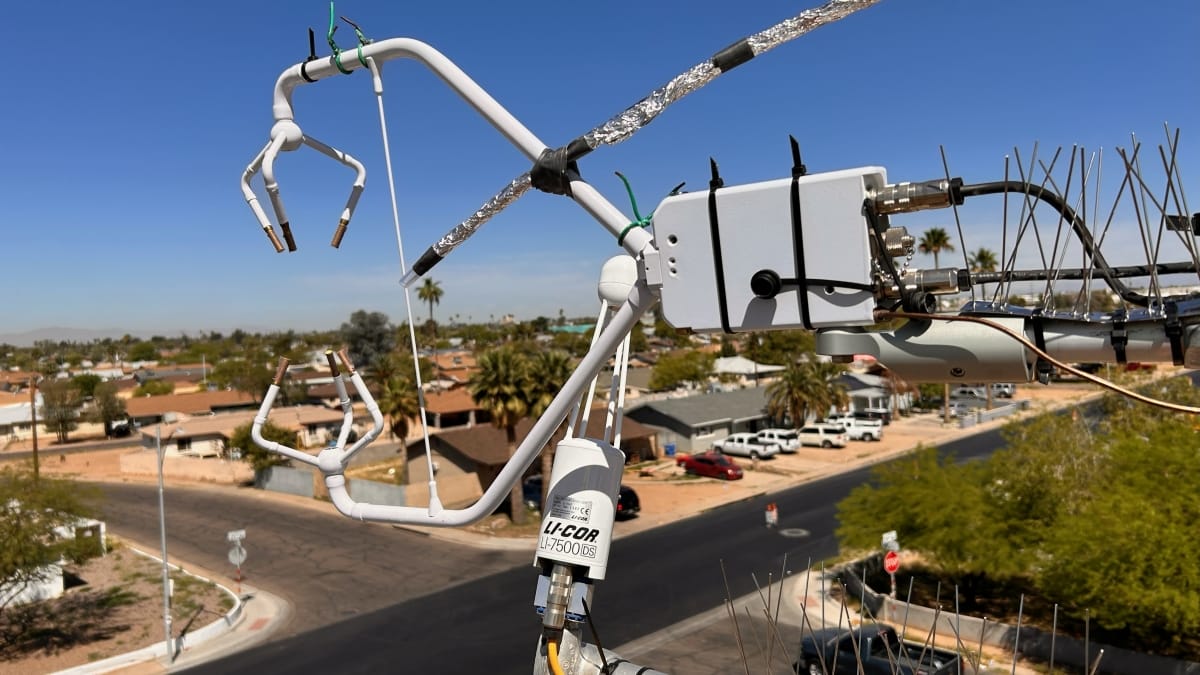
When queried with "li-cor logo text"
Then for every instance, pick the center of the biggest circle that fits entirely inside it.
(576, 532)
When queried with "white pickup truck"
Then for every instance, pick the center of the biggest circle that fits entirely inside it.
(859, 429)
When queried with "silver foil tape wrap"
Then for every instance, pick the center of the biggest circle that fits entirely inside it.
(804, 22)
(460, 233)
(644, 111)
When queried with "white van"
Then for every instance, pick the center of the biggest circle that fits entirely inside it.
(858, 429)
(823, 435)
(787, 439)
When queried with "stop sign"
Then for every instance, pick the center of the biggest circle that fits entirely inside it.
(891, 562)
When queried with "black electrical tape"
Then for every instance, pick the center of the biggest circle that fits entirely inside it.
(1174, 332)
(577, 148)
(304, 72)
(733, 56)
(552, 171)
(715, 233)
(798, 247)
(426, 262)
(1119, 337)
(1039, 339)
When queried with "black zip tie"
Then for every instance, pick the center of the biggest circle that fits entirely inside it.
(798, 170)
(1119, 337)
(714, 230)
(1174, 332)
(312, 56)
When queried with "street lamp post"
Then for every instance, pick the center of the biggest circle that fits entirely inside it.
(162, 529)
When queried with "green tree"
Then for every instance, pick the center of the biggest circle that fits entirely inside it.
(86, 384)
(503, 388)
(1128, 553)
(142, 351)
(154, 388)
(934, 241)
(430, 293)
(805, 388)
(549, 371)
(61, 401)
(368, 337)
(685, 366)
(249, 374)
(937, 507)
(31, 509)
(778, 348)
(108, 406)
(259, 458)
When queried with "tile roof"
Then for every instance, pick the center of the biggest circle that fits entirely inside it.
(452, 401)
(194, 403)
(294, 418)
(714, 408)
(485, 443)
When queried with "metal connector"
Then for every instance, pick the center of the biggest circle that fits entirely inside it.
(909, 197)
(558, 598)
(280, 371)
(339, 233)
(345, 356)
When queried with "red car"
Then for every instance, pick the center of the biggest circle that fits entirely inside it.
(711, 464)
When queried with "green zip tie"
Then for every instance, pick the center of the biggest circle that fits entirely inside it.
(362, 41)
(337, 52)
(640, 222)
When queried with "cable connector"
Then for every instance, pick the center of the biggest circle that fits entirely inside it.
(909, 197)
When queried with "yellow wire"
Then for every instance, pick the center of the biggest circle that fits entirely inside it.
(552, 657)
(1176, 407)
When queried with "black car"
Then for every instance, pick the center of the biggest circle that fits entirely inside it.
(628, 504)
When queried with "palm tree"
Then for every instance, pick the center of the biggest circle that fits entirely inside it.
(804, 387)
(935, 240)
(430, 292)
(398, 400)
(983, 260)
(549, 372)
(503, 388)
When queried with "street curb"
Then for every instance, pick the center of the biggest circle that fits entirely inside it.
(213, 630)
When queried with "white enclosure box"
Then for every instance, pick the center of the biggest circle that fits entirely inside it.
(707, 263)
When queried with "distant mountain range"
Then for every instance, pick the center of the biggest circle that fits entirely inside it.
(61, 334)
(86, 335)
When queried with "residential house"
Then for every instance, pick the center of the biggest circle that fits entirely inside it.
(16, 415)
(744, 370)
(693, 423)
(209, 435)
(145, 410)
(453, 408)
(482, 449)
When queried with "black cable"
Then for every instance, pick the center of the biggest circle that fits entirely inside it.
(1077, 225)
(587, 614)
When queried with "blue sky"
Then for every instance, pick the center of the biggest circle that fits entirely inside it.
(127, 126)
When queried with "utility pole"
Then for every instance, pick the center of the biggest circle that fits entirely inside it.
(33, 422)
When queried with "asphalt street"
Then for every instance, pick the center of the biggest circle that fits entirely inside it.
(486, 624)
(331, 568)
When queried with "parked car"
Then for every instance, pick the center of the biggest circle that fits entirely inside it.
(711, 464)
(1003, 389)
(859, 429)
(746, 445)
(879, 652)
(968, 391)
(882, 414)
(823, 435)
(787, 439)
(628, 503)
